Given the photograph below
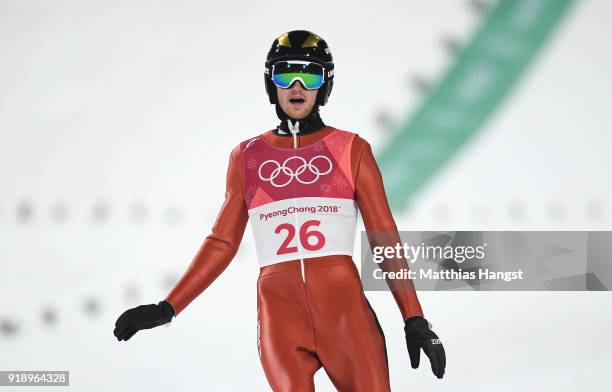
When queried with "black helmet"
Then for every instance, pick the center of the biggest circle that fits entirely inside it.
(301, 45)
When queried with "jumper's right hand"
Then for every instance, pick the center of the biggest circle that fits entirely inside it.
(142, 317)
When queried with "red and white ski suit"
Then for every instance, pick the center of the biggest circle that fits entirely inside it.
(312, 311)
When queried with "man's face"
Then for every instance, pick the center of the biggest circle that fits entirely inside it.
(296, 101)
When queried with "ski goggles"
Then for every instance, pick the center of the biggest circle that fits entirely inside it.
(311, 75)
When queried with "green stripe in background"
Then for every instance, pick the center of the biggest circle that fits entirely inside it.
(476, 84)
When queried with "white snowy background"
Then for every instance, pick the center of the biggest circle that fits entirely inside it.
(116, 123)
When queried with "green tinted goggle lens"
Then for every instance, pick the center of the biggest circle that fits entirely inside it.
(284, 73)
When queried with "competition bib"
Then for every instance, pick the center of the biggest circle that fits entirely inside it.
(301, 201)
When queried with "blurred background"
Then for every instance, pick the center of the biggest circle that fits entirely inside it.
(116, 124)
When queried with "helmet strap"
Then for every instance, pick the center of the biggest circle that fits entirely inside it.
(308, 124)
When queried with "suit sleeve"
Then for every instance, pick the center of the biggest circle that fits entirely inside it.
(220, 246)
(381, 229)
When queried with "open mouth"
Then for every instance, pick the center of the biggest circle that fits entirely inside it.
(297, 101)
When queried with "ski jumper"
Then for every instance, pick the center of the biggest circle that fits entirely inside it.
(301, 194)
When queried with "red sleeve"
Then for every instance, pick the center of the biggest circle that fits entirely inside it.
(220, 246)
(378, 221)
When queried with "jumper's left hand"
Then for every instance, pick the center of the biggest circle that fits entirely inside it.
(418, 335)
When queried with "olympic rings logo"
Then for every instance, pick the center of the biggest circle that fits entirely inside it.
(291, 174)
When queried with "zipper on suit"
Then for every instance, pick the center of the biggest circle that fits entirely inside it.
(294, 129)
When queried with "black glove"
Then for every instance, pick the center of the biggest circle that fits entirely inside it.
(142, 317)
(418, 335)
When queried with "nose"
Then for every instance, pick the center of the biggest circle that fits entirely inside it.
(297, 83)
